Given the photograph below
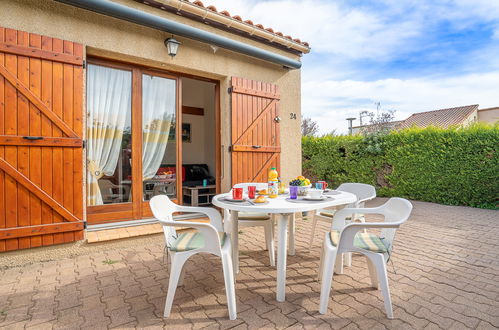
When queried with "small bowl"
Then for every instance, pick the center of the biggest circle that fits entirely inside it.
(302, 190)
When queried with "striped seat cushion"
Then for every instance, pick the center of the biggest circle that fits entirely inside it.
(330, 214)
(366, 241)
(192, 240)
(253, 216)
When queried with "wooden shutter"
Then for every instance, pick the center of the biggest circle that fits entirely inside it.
(256, 142)
(41, 94)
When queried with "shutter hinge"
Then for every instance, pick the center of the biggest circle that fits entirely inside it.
(230, 148)
(84, 64)
(84, 144)
(229, 90)
(84, 225)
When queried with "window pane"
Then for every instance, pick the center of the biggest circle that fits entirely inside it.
(158, 137)
(109, 172)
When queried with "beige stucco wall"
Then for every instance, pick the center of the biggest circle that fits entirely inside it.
(490, 115)
(118, 39)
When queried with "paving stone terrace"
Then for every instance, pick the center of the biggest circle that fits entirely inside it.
(445, 275)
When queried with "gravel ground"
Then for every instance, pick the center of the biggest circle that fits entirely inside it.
(22, 258)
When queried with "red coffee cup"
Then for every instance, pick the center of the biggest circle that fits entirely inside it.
(251, 192)
(237, 193)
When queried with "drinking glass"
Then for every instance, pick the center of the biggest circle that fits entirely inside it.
(293, 192)
(318, 185)
(251, 192)
(237, 193)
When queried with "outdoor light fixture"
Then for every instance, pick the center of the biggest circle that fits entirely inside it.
(172, 46)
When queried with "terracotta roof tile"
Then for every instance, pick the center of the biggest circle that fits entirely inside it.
(260, 26)
(238, 18)
(442, 118)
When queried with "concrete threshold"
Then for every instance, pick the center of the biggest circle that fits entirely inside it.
(132, 228)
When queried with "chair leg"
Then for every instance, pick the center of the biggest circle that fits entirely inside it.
(181, 277)
(380, 264)
(229, 285)
(372, 273)
(177, 263)
(269, 240)
(338, 265)
(292, 235)
(348, 259)
(321, 264)
(327, 278)
(312, 233)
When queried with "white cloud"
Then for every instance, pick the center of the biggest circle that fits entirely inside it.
(328, 26)
(330, 102)
(379, 32)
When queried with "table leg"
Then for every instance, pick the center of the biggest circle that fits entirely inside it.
(282, 232)
(292, 227)
(234, 224)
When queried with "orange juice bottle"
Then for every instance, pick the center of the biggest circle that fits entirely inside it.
(273, 183)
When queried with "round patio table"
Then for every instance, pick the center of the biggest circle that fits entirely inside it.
(285, 209)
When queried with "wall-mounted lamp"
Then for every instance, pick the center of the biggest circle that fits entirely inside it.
(172, 46)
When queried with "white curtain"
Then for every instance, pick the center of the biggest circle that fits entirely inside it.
(158, 112)
(108, 111)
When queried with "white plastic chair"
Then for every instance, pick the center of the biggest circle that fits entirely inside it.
(377, 249)
(254, 219)
(364, 192)
(209, 238)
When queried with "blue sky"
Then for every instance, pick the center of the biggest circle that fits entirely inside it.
(410, 55)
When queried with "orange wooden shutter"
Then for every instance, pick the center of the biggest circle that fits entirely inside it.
(41, 174)
(256, 142)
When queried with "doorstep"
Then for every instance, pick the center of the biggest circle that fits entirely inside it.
(102, 235)
(125, 232)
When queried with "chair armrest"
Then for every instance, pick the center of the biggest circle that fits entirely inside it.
(347, 235)
(213, 215)
(340, 215)
(365, 199)
(209, 232)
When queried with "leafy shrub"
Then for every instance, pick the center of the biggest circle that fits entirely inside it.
(455, 166)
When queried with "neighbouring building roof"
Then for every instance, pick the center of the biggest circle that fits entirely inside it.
(442, 118)
(388, 125)
(196, 10)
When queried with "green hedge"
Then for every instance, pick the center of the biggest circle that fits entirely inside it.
(447, 166)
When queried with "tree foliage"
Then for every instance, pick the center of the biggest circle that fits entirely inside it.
(309, 127)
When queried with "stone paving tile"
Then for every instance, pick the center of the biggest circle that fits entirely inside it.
(437, 281)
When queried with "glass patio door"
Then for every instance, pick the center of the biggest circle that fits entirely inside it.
(132, 148)
(109, 112)
(159, 150)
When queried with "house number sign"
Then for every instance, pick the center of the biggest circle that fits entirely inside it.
(292, 115)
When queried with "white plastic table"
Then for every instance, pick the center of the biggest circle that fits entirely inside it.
(285, 209)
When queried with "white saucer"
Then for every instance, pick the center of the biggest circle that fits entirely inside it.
(308, 198)
(230, 199)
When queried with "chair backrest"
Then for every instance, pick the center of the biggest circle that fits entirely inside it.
(106, 188)
(395, 210)
(361, 190)
(163, 208)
